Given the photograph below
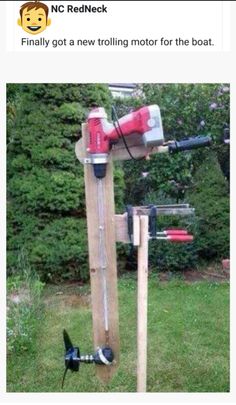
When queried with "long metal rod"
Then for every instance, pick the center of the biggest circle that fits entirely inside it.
(164, 211)
(102, 251)
(165, 206)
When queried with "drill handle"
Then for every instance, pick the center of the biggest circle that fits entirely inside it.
(190, 143)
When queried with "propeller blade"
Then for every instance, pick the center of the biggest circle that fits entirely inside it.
(64, 375)
(67, 341)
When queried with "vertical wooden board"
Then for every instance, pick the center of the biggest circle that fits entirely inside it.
(142, 306)
(122, 228)
(102, 338)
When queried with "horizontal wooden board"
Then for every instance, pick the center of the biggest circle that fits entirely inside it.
(119, 151)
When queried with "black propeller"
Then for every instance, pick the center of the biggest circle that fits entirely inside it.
(103, 356)
(72, 356)
(67, 341)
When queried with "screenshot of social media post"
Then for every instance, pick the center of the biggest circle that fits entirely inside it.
(116, 205)
(112, 27)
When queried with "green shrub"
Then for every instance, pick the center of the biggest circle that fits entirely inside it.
(43, 190)
(60, 251)
(46, 204)
(209, 195)
(46, 196)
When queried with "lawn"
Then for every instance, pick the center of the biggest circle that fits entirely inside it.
(188, 340)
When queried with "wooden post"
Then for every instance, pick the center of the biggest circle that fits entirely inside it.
(142, 305)
(101, 337)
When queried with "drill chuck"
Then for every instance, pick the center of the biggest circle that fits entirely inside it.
(99, 162)
(99, 170)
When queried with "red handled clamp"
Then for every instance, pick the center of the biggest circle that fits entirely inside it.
(174, 235)
(177, 238)
(170, 235)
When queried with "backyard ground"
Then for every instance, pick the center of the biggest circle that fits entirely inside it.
(188, 339)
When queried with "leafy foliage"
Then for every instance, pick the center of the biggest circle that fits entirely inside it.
(24, 306)
(60, 249)
(46, 202)
(209, 194)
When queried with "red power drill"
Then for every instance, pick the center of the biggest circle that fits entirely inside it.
(102, 134)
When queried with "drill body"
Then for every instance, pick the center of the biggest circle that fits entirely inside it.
(102, 134)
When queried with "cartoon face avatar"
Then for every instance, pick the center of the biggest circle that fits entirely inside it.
(34, 17)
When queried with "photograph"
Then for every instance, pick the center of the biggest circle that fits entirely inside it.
(118, 235)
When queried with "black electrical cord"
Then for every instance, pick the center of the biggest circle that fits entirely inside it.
(120, 134)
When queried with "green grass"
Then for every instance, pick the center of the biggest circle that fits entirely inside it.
(188, 341)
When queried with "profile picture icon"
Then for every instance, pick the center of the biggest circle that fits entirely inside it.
(34, 17)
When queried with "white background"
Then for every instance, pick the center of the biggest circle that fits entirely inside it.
(82, 67)
(139, 19)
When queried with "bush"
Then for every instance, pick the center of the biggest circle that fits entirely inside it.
(209, 195)
(46, 204)
(46, 197)
(60, 250)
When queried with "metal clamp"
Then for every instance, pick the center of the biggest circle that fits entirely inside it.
(152, 222)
